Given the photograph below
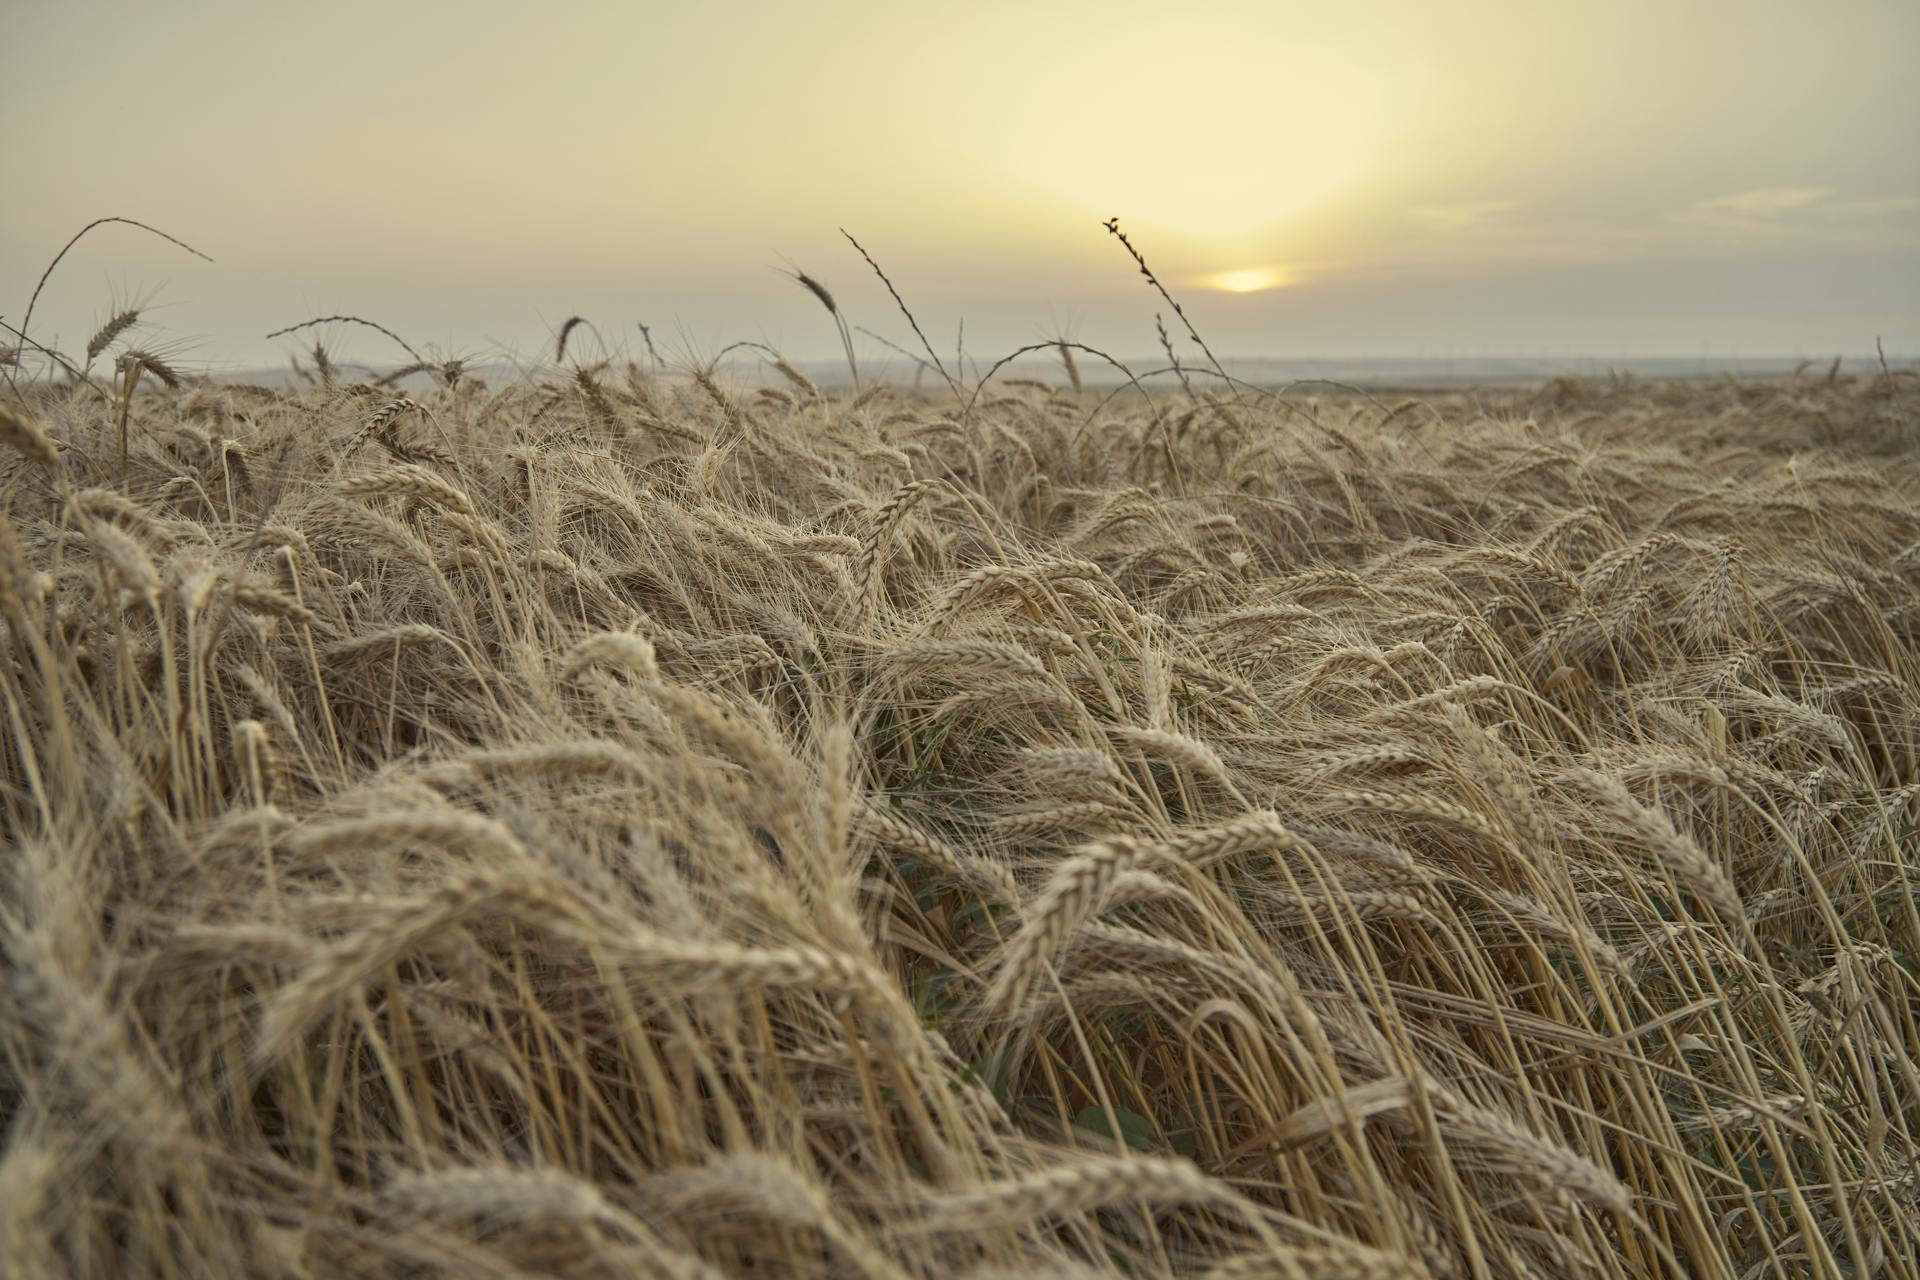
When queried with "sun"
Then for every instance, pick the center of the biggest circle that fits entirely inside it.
(1249, 280)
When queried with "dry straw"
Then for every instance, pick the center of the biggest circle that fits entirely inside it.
(647, 834)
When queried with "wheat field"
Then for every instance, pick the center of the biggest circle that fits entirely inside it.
(619, 824)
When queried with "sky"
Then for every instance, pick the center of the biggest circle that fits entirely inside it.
(1368, 178)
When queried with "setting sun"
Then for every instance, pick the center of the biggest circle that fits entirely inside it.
(1248, 280)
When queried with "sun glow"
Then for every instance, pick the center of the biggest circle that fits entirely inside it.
(1228, 144)
(1249, 280)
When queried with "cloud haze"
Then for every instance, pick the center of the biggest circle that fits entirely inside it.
(1746, 208)
(1478, 177)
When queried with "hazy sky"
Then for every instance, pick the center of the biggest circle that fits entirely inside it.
(1640, 177)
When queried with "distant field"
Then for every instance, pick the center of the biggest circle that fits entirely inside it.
(1328, 376)
(602, 825)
